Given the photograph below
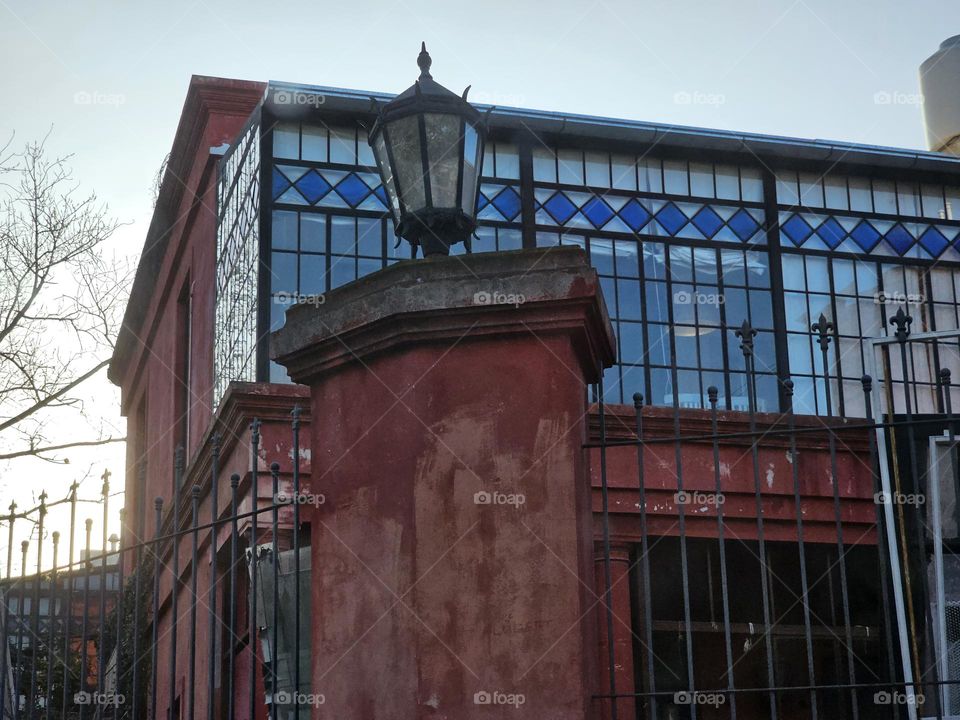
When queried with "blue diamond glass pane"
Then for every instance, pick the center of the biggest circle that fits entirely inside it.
(482, 201)
(560, 208)
(280, 183)
(634, 215)
(743, 224)
(507, 202)
(312, 187)
(671, 218)
(832, 233)
(707, 221)
(352, 189)
(866, 236)
(597, 211)
(899, 239)
(933, 241)
(797, 230)
(381, 193)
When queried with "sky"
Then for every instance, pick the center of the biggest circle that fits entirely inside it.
(108, 80)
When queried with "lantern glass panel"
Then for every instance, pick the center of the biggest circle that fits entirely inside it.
(404, 138)
(472, 149)
(443, 143)
(386, 172)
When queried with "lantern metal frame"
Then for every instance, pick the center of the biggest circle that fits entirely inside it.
(434, 228)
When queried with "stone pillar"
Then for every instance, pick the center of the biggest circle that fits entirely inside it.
(452, 558)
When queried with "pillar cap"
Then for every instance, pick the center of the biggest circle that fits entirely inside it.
(451, 299)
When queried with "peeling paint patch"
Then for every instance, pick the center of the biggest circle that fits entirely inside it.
(789, 456)
(770, 475)
(433, 702)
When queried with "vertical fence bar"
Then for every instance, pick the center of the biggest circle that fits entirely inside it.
(35, 611)
(175, 575)
(71, 583)
(645, 562)
(232, 633)
(6, 612)
(101, 670)
(158, 526)
(787, 385)
(825, 329)
(194, 521)
(295, 427)
(51, 623)
(212, 597)
(18, 666)
(713, 396)
(274, 520)
(746, 333)
(882, 549)
(118, 611)
(84, 617)
(254, 507)
(137, 579)
(607, 574)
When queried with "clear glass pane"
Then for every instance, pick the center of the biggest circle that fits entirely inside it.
(383, 161)
(343, 145)
(471, 159)
(286, 140)
(405, 142)
(570, 167)
(751, 185)
(598, 169)
(649, 175)
(315, 143)
(624, 172)
(364, 152)
(443, 155)
(860, 197)
(675, 177)
(544, 165)
(284, 233)
(313, 233)
(811, 190)
(884, 197)
(932, 198)
(835, 189)
(701, 180)
(787, 188)
(508, 161)
(908, 197)
(728, 182)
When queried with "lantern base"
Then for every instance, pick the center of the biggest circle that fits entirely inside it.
(436, 231)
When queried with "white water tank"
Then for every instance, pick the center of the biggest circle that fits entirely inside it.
(940, 85)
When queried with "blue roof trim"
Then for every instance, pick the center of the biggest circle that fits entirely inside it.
(818, 150)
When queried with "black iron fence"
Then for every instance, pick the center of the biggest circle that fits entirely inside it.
(786, 566)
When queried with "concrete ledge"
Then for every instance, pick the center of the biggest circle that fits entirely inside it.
(449, 299)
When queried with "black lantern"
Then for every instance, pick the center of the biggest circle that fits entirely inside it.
(428, 142)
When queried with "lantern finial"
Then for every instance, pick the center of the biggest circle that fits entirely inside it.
(424, 62)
